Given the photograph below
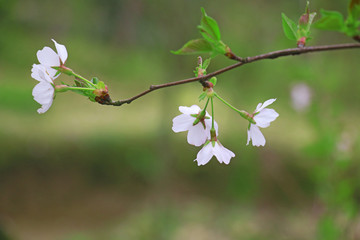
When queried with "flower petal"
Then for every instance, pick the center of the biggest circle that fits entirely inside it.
(35, 72)
(266, 103)
(182, 123)
(61, 49)
(256, 136)
(194, 109)
(197, 135)
(43, 93)
(48, 57)
(204, 155)
(258, 107)
(265, 117)
(44, 108)
(222, 154)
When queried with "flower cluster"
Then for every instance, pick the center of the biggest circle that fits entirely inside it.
(203, 130)
(45, 73)
(198, 123)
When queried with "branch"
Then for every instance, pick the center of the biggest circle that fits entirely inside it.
(241, 61)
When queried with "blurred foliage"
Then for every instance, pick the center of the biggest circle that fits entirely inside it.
(84, 171)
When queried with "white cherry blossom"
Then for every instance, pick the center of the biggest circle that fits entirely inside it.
(197, 134)
(44, 91)
(49, 58)
(263, 117)
(214, 148)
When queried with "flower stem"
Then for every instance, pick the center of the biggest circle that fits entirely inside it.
(80, 88)
(212, 114)
(204, 110)
(84, 79)
(241, 112)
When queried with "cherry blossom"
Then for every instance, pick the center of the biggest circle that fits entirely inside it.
(198, 133)
(49, 58)
(262, 117)
(44, 91)
(214, 148)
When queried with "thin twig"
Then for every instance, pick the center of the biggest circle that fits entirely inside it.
(241, 61)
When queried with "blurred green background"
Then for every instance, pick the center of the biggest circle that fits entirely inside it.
(83, 171)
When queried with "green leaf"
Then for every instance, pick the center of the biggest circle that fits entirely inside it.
(95, 80)
(289, 27)
(331, 20)
(213, 80)
(354, 9)
(100, 85)
(209, 28)
(311, 19)
(202, 96)
(206, 63)
(197, 46)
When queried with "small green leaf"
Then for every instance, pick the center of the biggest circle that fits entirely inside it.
(213, 80)
(100, 85)
(197, 46)
(311, 19)
(206, 63)
(289, 27)
(95, 80)
(331, 20)
(354, 9)
(209, 27)
(202, 96)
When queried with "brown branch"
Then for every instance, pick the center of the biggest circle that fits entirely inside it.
(241, 61)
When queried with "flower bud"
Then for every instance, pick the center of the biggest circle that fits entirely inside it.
(61, 88)
(304, 19)
(301, 42)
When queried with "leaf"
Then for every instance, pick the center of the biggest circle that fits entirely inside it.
(289, 27)
(330, 20)
(202, 96)
(354, 9)
(206, 64)
(95, 80)
(305, 29)
(311, 19)
(196, 46)
(100, 85)
(209, 27)
(213, 80)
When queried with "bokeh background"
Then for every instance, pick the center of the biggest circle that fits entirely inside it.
(83, 171)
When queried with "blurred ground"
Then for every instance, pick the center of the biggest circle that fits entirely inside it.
(83, 171)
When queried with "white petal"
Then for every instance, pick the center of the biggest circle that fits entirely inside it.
(258, 107)
(266, 103)
(257, 137)
(61, 49)
(52, 72)
(44, 108)
(204, 155)
(197, 135)
(248, 137)
(43, 93)
(194, 109)
(182, 123)
(265, 117)
(48, 57)
(222, 154)
(35, 72)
